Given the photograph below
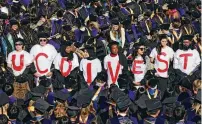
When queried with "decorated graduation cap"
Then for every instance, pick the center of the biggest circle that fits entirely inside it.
(84, 98)
(165, 26)
(4, 99)
(153, 104)
(41, 105)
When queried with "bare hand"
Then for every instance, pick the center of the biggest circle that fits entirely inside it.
(49, 74)
(37, 74)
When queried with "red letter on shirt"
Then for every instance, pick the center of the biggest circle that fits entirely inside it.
(15, 67)
(89, 73)
(164, 61)
(186, 55)
(135, 62)
(37, 66)
(65, 74)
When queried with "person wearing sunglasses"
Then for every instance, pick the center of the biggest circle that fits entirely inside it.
(43, 54)
(161, 56)
(19, 58)
(139, 63)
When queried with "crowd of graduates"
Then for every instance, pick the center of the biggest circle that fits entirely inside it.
(100, 61)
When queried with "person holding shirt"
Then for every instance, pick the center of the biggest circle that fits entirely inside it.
(186, 59)
(161, 56)
(43, 54)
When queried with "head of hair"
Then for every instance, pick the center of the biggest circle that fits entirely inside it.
(179, 113)
(84, 113)
(197, 84)
(60, 109)
(197, 107)
(8, 89)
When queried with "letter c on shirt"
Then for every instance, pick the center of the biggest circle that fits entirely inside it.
(37, 66)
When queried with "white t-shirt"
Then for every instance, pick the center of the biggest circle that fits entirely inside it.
(112, 64)
(19, 61)
(64, 66)
(186, 61)
(162, 61)
(138, 68)
(43, 57)
(90, 69)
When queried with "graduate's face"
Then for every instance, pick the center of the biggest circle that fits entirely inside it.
(141, 50)
(18, 46)
(164, 42)
(14, 27)
(186, 42)
(114, 49)
(115, 27)
(43, 41)
(68, 49)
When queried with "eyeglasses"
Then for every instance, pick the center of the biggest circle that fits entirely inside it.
(142, 49)
(44, 40)
(18, 44)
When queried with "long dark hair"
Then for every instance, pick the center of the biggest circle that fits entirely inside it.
(159, 46)
(135, 54)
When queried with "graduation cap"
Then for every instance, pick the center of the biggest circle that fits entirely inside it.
(187, 37)
(162, 36)
(141, 101)
(14, 22)
(60, 13)
(185, 82)
(84, 98)
(147, 13)
(57, 85)
(123, 103)
(32, 96)
(123, 81)
(19, 40)
(115, 22)
(153, 82)
(92, 17)
(67, 27)
(45, 82)
(122, 1)
(72, 111)
(41, 105)
(43, 35)
(196, 14)
(3, 15)
(172, 6)
(71, 82)
(153, 104)
(91, 51)
(102, 76)
(169, 101)
(39, 89)
(164, 26)
(61, 96)
(198, 96)
(4, 99)
(186, 20)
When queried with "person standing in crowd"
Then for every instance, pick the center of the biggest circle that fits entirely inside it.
(66, 63)
(43, 54)
(117, 33)
(162, 56)
(139, 64)
(186, 59)
(20, 61)
(90, 66)
(114, 63)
